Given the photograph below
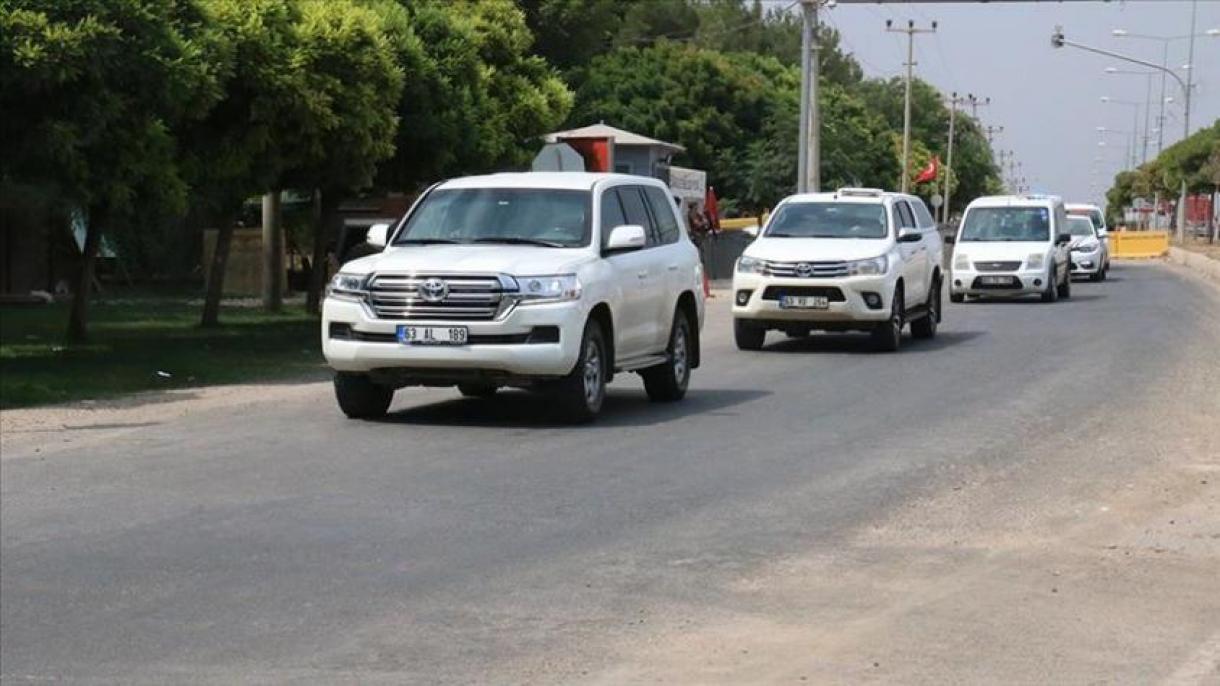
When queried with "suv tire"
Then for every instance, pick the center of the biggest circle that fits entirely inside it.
(1065, 288)
(887, 335)
(477, 390)
(925, 327)
(748, 337)
(582, 391)
(1051, 294)
(667, 382)
(360, 398)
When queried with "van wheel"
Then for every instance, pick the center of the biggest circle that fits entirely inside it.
(1051, 293)
(1065, 288)
(360, 398)
(582, 391)
(477, 390)
(957, 297)
(925, 327)
(887, 336)
(667, 382)
(748, 337)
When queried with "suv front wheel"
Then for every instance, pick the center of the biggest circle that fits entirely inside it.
(582, 391)
(667, 382)
(360, 398)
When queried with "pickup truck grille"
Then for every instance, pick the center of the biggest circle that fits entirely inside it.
(997, 266)
(806, 270)
(421, 297)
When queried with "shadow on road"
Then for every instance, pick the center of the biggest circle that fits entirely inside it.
(623, 407)
(861, 344)
(1034, 300)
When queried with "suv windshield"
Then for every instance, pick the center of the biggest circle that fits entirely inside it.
(1000, 224)
(1080, 226)
(828, 220)
(528, 216)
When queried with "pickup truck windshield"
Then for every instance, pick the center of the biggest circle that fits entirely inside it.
(1004, 224)
(516, 216)
(828, 220)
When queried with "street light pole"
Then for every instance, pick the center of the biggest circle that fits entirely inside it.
(910, 31)
(944, 208)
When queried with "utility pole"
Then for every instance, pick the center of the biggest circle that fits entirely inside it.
(976, 103)
(809, 155)
(954, 101)
(910, 31)
(1190, 73)
(991, 131)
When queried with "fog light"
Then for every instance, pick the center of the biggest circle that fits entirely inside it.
(873, 300)
(743, 297)
(957, 282)
(1087, 264)
(1037, 282)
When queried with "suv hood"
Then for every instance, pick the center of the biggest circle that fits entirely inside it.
(518, 260)
(817, 249)
(1000, 251)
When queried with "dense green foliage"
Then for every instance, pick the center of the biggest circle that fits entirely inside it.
(1195, 160)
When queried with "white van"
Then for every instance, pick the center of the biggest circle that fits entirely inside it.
(1012, 245)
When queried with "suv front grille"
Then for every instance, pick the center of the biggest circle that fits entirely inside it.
(463, 297)
(997, 266)
(831, 293)
(806, 270)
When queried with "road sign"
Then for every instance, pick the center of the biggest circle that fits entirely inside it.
(937, 201)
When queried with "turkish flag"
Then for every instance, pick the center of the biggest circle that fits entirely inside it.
(712, 208)
(930, 172)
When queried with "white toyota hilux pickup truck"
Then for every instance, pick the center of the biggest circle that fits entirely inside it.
(550, 281)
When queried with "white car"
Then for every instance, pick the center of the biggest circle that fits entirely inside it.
(1088, 252)
(1012, 245)
(553, 281)
(1094, 213)
(858, 259)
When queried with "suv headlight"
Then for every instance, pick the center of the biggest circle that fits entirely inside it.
(869, 267)
(347, 287)
(1034, 261)
(961, 261)
(751, 265)
(547, 288)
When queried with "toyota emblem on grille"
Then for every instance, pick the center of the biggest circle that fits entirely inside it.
(804, 269)
(433, 290)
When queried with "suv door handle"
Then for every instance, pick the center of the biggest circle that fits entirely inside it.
(642, 275)
(673, 267)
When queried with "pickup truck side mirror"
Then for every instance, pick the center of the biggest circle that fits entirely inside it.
(377, 235)
(1063, 239)
(626, 237)
(909, 235)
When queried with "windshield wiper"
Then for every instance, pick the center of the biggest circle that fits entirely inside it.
(426, 241)
(515, 240)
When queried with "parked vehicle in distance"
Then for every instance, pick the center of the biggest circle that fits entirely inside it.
(1012, 245)
(857, 259)
(1088, 252)
(1094, 213)
(552, 281)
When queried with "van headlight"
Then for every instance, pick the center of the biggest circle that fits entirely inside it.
(870, 267)
(347, 287)
(751, 265)
(1034, 261)
(961, 261)
(547, 288)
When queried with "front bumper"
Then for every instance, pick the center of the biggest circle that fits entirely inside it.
(846, 294)
(514, 359)
(1087, 264)
(1023, 282)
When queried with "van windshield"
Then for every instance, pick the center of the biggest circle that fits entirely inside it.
(1006, 224)
(828, 220)
(1081, 226)
(555, 218)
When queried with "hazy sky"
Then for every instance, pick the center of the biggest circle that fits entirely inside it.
(1047, 100)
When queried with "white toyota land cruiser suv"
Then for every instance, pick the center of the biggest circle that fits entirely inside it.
(553, 281)
(1012, 245)
(857, 259)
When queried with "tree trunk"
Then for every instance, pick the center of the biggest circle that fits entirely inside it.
(216, 273)
(321, 238)
(78, 315)
(273, 253)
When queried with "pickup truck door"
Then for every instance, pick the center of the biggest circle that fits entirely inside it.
(914, 256)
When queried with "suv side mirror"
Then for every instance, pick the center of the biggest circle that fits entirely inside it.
(1063, 239)
(626, 237)
(377, 235)
(909, 235)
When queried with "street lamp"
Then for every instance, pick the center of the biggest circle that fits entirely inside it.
(1135, 120)
(1147, 102)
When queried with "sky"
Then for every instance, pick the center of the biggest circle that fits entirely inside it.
(1048, 100)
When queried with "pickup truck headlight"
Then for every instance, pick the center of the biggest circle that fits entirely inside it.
(751, 265)
(961, 261)
(869, 267)
(547, 288)
(1034, 261)
(346, 287)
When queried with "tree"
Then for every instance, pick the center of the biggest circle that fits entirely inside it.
(90, 94)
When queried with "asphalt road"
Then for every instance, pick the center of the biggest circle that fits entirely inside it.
(813, 511)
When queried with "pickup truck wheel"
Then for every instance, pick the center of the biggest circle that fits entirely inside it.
(360, 398)
(748, 337)
(477, 390)
(887, 336)
(925, 327)
(667, 382)
(582, 391)
(1065, 288)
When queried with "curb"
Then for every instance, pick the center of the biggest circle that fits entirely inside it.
(1200, 263)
